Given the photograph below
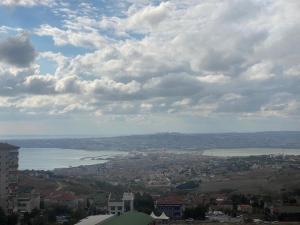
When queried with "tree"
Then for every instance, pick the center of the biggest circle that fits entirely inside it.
(143, 203)
(196, 213)
(3, 218)
(12, 219)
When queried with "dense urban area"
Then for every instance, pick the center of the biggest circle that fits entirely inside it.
(158, 186)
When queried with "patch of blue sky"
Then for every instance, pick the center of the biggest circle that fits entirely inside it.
(27, 18)
(46, 65)
(45, 43)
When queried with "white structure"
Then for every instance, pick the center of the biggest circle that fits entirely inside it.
(8, 177)
(28, 201)
(118, 207)
(163, 217)
(218, 216)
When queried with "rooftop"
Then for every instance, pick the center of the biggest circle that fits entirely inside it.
(171, 200)
(93, 220)
(130, 218)
(5, 146)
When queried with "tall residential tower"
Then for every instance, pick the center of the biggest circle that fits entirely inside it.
(8, 177)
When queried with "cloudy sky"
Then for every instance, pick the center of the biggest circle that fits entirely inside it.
(105, 67)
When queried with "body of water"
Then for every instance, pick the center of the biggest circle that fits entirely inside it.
(250, 151)
(51, 158)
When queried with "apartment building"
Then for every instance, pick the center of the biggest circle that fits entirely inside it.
(8, 177)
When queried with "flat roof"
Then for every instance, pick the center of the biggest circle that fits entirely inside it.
(93, 220)
(130, 218)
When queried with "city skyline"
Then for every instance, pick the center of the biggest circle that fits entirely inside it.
(135, 67)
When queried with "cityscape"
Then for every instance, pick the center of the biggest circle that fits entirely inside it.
(149, 112)
(153, 186)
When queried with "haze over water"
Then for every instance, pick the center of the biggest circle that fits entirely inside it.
(51, 158)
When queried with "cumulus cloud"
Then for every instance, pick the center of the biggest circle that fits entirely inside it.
(218, 78)
(17, 51)
(83, 38)
(148, 16)
(187, 57)
(260, 71)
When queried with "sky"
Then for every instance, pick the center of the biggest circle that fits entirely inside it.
(102, 67)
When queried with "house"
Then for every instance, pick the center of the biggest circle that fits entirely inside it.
(218, 216)
(172, 206)
(28, 200)
(245, 208)
(118, 206)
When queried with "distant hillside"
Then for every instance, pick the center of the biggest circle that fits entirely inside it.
(174, 141)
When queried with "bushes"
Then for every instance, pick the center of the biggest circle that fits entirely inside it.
(197, 213)
(143, 203)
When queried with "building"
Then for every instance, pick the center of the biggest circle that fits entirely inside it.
(8, 177)
(28, 200)
(218, 216)
(93, 220)
(118, 206)
(245, 208)
(128, 218)
(172, 206)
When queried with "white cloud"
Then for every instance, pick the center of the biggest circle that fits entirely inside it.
(218, 78)
(150, 16)
(189, 57)
(84, 38)
(260, 71)
(26, 3)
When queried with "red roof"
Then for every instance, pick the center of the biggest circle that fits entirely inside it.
(171, 200)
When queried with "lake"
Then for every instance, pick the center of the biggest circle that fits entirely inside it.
(51, 158)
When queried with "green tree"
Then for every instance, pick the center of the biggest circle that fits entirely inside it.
(12, 219)
(196, 213)
(3, 218)
(143, 203)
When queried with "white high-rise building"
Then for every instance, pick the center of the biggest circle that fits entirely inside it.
(8, 177)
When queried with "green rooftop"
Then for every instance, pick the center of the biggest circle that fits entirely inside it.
(129, 218)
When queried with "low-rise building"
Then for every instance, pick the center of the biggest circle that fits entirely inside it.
(94, 220)
(28, 200)
(130, 218)
(172, 206)
(218, 216)
(245, 208)
(118, 206)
